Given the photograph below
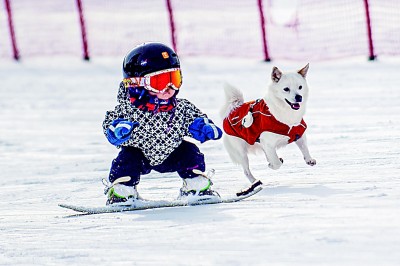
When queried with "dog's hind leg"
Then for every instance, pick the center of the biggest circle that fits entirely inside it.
(246, 169)
(237, 150)
(244, 162)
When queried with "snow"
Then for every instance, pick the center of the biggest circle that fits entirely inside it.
(343, 211)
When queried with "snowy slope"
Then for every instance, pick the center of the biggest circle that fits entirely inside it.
(344, 211)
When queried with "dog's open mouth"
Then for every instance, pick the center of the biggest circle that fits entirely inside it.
(294, 106)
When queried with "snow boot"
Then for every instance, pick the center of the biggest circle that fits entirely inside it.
(198, 188)
(120, 195)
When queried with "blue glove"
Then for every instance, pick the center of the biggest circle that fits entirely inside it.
(120, 131)
(203, 129)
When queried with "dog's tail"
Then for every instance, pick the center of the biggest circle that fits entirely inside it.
(233, 99)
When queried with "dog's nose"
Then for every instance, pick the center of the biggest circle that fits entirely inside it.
(298, 98)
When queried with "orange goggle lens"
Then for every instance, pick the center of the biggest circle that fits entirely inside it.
(159, 81)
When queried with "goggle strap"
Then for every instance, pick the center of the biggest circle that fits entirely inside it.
(134, 82)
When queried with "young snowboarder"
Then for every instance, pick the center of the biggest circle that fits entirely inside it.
(149, 124)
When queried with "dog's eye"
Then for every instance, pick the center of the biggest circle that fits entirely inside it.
(300, 87)
(286, 89)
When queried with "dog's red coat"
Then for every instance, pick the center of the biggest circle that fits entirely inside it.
(263, 121)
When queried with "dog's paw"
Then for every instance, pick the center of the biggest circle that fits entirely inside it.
(277, 165)
(311, 162)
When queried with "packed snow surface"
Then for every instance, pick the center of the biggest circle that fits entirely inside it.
(343, 211)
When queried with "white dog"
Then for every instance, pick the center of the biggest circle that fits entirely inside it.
(268, 123)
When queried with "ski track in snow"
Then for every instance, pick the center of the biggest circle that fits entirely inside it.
(343, 211)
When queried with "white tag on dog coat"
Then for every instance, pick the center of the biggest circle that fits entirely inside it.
(247, 120)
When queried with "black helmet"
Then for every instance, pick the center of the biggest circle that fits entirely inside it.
(147, 58)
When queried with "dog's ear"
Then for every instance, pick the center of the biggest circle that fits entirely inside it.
(304, 70)
(276, 74)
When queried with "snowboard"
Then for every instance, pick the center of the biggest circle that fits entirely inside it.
(153, 204)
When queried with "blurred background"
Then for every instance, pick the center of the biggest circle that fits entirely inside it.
(258, 29)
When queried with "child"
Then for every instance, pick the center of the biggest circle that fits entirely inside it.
(149, 125)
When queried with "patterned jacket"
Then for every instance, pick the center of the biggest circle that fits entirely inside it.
(263, 121)
(158, 133)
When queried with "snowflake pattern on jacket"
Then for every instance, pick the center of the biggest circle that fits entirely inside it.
(158, 133)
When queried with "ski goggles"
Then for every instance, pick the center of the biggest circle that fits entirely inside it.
(157, 81)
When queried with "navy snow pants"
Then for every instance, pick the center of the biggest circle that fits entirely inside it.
(131, 162)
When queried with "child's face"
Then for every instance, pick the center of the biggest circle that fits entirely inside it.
(168, 93)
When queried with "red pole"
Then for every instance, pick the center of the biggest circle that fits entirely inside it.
(263, 31)
(372, 55)
(172, 24)
(12, 32)
(83, 30)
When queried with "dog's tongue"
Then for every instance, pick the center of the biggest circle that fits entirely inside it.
(295, 106)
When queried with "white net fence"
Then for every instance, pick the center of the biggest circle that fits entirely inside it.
(302, 29)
